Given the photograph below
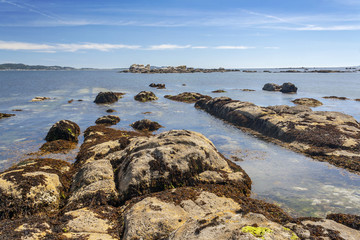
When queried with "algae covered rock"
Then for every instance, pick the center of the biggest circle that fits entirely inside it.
(146, 125)
(108, 97)
(58, 146)
(34, 185)
(187, 97)
(310, 102)
(172, 159)
(109, 119)
(63, 129)
(145, 96)
(157, 85)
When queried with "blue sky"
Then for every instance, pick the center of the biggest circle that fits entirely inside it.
(198, 33)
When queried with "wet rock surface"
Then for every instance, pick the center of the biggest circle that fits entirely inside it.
(146, 125)
(326, 136)
(284, 88)
(58, 146)
(310, 102)
(145, 96)
(187, 97)
(65, 130)
(157, 85)
(6, 115)
(108, 97)
(109, 120)
(134, 185)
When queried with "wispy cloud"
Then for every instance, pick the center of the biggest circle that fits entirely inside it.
(324, 28)
(275, 48)
(51, 48)
(168, 47)
(199, 47)
(233, 47)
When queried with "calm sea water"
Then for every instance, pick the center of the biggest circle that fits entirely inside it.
(300, 185)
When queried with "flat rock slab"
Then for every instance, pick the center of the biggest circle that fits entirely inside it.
(327, 136)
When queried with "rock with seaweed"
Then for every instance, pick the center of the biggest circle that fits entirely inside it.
(326, 136)
(310, 102)
(187, 97)
(146, 125)
(65, 130)
(108, 97)
(146, 96)
(108, 120)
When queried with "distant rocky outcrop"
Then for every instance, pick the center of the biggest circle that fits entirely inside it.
(108, 119)
(310, 102)
(146, 96)
(187, 97)
(140, 68)
(157, 85)
(6, 115)
(219, 91)
(108, 97)
(146, 125)
(328, 136)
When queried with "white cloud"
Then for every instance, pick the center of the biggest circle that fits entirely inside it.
(327, 28)
(199, 47)
(168, 47)
(233, 47)
(275, 48)
(51, 48)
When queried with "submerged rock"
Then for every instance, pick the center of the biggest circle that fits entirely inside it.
(109, 119)
(39, 99)
(6, 115)
(145, 96)
(63, 129)
(336, 97)
(310, 102)
(327, 136)
(188, 97)
(146, 125)
(108, 97)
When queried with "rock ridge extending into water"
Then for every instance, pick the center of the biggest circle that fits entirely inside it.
(326, 136)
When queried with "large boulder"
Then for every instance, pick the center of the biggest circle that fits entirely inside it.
(34, 185)
(146, 125)
(172, 159)
(63, 129)
(187, 97)
(288, 88)
(271, 87)
(108, 97)
(109, 120)
(145, 96)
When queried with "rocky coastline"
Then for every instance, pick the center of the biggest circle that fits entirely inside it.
(136, 185)
(333, 137)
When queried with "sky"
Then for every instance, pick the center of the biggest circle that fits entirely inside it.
(196, 33)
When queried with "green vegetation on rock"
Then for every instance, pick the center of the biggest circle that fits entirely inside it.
(256, 231)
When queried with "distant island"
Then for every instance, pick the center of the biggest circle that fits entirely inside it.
(140, 68)
(20, 66)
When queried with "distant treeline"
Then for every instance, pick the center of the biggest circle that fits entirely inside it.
(20, 66)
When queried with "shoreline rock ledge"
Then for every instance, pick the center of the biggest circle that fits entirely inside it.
(135, 185)
(326, 136)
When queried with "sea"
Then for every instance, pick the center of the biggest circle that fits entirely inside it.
(298, 184)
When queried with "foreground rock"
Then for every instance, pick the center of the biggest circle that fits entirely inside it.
(187, 97)
(310, 102)
(327, 136)
(34, 185)
(109, 120)
(177, 184)
(65, 130)
(145, 96)
(6, 115)
(146, 125)
(58, 146)
(108, 97)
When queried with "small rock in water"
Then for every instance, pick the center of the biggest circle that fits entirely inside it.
(157, 85)
(108, 97)
(110, 110)
(145, 96)
(109, 119)
(63, 129)
(39, 99)
(146, 125)
(311, 102)
(219, 91)
(6, 115)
